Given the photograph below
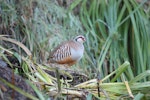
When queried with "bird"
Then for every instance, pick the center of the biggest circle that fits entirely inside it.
(68, 52)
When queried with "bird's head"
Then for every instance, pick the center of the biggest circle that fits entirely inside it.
(80, 38)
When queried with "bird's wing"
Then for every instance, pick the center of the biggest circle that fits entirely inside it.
(62, 53)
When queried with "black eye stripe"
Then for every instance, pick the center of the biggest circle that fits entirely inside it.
(80, 37)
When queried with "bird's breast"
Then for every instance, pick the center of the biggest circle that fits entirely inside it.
(77, 53)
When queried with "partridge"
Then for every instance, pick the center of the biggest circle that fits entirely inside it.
(69, 52)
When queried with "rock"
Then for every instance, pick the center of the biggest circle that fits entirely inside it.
(8, 93)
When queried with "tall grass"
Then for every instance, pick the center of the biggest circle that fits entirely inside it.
(117, 31)
(39, 25)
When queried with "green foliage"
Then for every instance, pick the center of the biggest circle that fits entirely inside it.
(39, 25)
(121, 26)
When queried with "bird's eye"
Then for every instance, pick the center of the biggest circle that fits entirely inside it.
(80, 39)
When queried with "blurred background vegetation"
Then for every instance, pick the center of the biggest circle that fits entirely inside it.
(117, 43)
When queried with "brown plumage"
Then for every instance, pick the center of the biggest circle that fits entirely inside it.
(68, 52)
